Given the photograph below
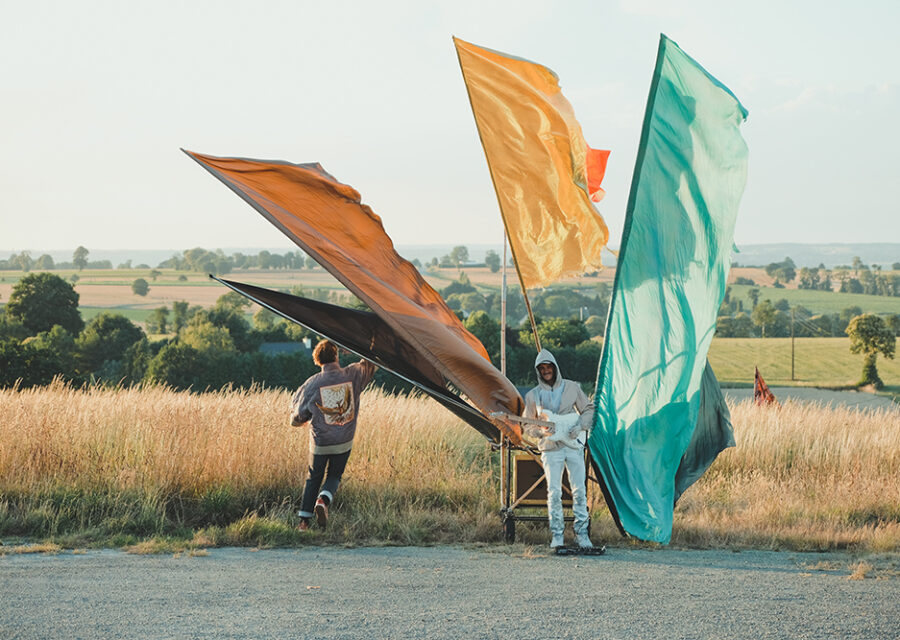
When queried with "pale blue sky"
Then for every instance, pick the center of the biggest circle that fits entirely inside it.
(97, 98)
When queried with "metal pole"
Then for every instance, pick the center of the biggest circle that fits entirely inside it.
(503, 310)
(792, 343)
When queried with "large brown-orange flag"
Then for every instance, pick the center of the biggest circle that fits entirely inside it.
(328, 221)
(544, 173)
(367, 335)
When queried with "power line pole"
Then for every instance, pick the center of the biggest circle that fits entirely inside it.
(792, 343)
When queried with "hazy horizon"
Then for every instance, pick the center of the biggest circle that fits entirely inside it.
(803, 254)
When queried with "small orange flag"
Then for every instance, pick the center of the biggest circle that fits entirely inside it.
(761, 394)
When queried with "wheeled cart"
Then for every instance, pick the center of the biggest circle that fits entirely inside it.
(523, 488)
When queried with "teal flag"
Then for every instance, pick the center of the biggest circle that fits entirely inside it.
(670, 280)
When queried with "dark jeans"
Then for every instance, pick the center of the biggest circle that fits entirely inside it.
(329, 466)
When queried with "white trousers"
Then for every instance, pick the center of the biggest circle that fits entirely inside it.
(573, 461)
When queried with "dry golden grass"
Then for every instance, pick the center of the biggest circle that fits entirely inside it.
(801, 477)
(159, 470)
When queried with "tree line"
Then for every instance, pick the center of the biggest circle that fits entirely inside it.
(43, 336)
(218, 262)
(854, 278)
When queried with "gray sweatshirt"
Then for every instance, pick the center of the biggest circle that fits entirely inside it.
(329, 401)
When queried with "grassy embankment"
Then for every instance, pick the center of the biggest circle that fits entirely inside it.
(159, 470)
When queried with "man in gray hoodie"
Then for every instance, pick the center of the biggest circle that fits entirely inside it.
(329, 401)
(555, 397)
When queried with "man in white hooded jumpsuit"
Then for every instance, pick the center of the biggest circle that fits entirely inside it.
(555, 394)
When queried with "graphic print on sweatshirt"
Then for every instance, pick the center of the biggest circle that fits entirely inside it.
(337, 403)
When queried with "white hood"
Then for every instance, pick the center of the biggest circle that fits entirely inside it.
(542, 357)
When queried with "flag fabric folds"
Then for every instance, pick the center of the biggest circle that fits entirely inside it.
(543, 171)
(328, 221)
(713, 433)
(670, 280)
(369, 337)
(762, 396)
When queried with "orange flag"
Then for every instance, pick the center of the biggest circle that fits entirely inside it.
(761, 394)
(544, 173)
(328, 221)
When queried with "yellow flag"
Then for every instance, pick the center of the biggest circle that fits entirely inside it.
(543, 171)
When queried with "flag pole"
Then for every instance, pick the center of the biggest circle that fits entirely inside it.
(512, 249)
(503, 310)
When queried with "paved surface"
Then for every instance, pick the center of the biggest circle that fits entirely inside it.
(824, 397)
(443, 592)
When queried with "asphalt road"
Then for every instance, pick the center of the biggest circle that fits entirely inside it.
(810, 395)
(401, 592)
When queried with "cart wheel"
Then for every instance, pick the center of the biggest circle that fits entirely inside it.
(509, 529)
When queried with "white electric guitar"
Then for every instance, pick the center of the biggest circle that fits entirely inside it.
(559, 425)
(562, 427)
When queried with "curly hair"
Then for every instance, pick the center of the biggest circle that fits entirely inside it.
(326, 351)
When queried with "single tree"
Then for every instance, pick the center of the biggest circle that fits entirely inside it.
(492, 260)
(763, 315)
(180, 315)
(458, 255)
(785, 273)
(753, 294)
(264, 320)
(487, 330)
(158, 320)
(595, 325)
(24, 261)
(871, 335)
(41, 300)
(79, 258)
(140, 287)
(232, 301)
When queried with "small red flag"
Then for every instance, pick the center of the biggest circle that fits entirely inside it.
(761, 394)
(596, 170)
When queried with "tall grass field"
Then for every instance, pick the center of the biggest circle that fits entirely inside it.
(152, 467)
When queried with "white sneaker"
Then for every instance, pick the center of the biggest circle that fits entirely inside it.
(582, 540)
(557, 541)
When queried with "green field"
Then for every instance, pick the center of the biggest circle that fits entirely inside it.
(820, 362)
(135, 315)
(818, 301)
